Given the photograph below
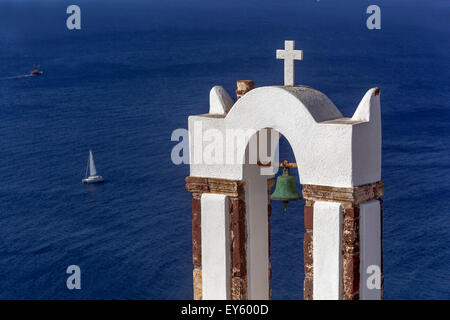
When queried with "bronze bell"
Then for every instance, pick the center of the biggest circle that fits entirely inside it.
(285, 188)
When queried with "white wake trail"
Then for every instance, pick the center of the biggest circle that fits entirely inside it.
(16, 77)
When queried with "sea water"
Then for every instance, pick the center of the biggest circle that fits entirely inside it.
(134, 73)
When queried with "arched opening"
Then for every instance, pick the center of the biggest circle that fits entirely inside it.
(286, 237)
(275, 237)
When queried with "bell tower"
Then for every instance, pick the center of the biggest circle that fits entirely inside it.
(232, 155)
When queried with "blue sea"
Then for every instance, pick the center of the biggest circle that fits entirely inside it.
(135, 72)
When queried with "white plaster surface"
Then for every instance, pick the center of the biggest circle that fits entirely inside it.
(370, 234)
(327, 256)
(257, 231)
(366, 140)
(329, 149)
(216, 261)
(220, 101)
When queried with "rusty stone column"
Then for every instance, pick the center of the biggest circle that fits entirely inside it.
(238, 228)
(270, 184)
(197, 248)
(196, 188)
(234, 190)
(308, 250)
(351, 253)
(244, 86)
(239, 290)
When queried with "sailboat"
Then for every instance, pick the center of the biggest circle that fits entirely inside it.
(93, 177)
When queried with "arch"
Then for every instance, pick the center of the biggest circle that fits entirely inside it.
(295, 112)
(339, 165)
(327, 145)
(258, 185)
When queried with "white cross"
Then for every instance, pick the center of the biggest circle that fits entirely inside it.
(289, 55)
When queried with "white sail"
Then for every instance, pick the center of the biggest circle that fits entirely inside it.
(92, 170)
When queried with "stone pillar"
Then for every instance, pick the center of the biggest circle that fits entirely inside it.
(197, 246)
(350, 200)
(351, 254)
(235, 194)
(238, 250)
(270, 184)
(196, 186)
(244, 86)
(308, 250)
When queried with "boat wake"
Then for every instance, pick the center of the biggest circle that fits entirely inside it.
(16, 77)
